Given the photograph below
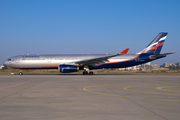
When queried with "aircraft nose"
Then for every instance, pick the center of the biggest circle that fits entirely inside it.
(5, 63)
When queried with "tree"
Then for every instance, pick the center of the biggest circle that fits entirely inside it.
(170, 67)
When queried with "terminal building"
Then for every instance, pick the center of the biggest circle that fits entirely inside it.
(146, 66)
(166, 65)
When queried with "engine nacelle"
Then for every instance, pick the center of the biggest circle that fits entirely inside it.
(68, 68)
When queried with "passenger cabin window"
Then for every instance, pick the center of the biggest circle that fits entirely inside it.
(8, 59)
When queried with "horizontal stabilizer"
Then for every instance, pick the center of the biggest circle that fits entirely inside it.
(159, 56)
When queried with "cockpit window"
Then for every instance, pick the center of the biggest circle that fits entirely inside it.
(8, 59)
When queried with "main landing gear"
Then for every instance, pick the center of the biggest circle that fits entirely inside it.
(86, 71)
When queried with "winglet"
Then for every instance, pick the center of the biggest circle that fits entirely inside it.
(124, 51)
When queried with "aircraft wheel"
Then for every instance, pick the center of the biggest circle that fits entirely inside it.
(20, 73)
(85, 73)
(91, 73)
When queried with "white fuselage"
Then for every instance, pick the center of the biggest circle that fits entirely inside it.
(52, 61)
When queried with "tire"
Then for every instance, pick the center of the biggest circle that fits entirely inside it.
(91, 73)
(20, 73)
(85, 73)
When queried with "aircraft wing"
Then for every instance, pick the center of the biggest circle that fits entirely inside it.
(98, 60)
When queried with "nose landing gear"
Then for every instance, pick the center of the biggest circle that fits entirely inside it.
(20, 72)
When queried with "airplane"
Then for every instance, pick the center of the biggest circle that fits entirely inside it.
(87, 63)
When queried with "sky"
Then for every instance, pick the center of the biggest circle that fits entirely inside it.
(87, 27)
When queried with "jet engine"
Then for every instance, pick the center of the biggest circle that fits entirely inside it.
(68, 68)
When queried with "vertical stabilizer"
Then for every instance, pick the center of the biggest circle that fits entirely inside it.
(156, 45)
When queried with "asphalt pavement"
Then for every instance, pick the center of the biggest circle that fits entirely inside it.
(90, 97)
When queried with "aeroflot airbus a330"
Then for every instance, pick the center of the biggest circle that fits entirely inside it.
(73, 63)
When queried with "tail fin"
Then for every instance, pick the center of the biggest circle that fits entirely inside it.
(155, 46)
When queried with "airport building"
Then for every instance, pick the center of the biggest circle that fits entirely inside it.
(178, 64)
(166, 65)
(144, 67)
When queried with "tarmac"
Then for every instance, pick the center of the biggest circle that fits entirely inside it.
(90, 97)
